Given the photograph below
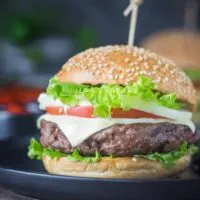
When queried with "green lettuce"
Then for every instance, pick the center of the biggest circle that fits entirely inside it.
(104, 98)
(36, 151)
(194, 74)
(68, 93)
(169, 159)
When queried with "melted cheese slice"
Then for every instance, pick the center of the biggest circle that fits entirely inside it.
(78, 129)
(47, 101)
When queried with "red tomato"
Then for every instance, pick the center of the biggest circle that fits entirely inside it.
(56, 110)
(133, 113)
(87, 112)
(81, 111)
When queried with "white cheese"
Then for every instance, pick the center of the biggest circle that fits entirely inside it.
(154, 108)
(78, 129)
(45, 100)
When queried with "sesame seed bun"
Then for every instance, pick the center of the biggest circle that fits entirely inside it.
(183, 47)
(123, 65)
(126, 168)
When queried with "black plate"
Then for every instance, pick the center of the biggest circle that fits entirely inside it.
(27, 177)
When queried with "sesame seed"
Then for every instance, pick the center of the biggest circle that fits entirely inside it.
(116, 76)
(68, 69)
(141, 73)
(110, 76)
(155, 67)
(134, 159)
(159, 79)
(132, 70)
(95, 67)
(146, 65)
(140, 58)
(172, 72)
(145, 72)
(159, 62)
(166, 79)
(98, 72)
(121, 76)
(126, 60)
(128, 70)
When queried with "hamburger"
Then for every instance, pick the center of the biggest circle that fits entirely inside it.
(183, 47)
(117, 112)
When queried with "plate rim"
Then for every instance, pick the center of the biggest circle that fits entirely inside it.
(108, 180)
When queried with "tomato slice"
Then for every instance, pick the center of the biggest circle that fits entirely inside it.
(87, 112)
(81, 111)
(56, 110)
(133, 113)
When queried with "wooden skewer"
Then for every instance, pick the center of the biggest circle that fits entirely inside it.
(133, 7)
(128, 10)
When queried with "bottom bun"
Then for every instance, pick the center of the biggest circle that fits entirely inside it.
(123, 168)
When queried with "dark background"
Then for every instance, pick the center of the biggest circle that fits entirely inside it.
(37, 36)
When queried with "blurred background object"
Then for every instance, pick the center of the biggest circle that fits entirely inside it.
(37, 37)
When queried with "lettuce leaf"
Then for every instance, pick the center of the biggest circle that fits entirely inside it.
(68, 93)
(36, 151)
(194, 74)
(169, 101)
(106, 97)
(169, 159)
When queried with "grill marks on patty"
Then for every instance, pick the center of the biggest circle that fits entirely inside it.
(122, 140)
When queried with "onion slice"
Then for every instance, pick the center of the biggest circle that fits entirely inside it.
(154, 108)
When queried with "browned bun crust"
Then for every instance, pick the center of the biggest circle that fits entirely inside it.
(183, 47)
(123, 65)
(127, 168)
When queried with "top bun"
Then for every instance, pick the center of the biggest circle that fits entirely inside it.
(183, 47)
(123, 65)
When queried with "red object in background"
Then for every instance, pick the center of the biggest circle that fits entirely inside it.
(15, 109)
(4, 97)
(15, 97)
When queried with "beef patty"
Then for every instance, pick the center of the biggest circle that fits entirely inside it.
(122, 140)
